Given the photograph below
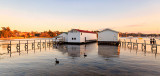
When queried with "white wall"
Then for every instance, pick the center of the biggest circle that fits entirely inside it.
(74, 35)
(89, 36)
(65, 36)
(108, 36)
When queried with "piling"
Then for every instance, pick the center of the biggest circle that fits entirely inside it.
(9, 47)
(135, 45)
(154, 46)
(144, 45)
(40, 45)
(45, 44)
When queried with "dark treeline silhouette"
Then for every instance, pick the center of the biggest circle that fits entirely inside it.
(6, 32)
(138, 35)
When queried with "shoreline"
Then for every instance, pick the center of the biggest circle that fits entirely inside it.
(12, 38)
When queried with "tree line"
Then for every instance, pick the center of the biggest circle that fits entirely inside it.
(6, 32)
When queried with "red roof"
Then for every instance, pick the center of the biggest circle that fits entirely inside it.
(85, 31)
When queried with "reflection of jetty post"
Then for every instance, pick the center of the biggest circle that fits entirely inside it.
(124, 43)
(26, 46)
(154, 47)
(49, 43)
(9, 47)
(33, 43)
(18, 47)
(40, 45)
(144, 45)
(130, 43)
(45, 44)
(135, 45)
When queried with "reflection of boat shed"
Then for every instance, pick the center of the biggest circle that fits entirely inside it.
(108, 51)
(75, 50)
(108, 36)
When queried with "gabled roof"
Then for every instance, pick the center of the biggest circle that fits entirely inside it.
(109, 30)
(85, 31)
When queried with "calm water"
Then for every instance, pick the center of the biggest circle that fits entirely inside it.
(101, 60)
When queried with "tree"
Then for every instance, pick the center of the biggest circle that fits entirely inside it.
(6, 32)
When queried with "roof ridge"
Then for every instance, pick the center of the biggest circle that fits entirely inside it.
(86, 31)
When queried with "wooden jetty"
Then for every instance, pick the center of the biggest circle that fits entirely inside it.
(135, 44)
(48, 42)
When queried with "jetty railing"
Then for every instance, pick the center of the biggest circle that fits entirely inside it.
(17, 45)
(133, 43)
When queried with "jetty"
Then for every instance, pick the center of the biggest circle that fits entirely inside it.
(33, 43)
(135, 43)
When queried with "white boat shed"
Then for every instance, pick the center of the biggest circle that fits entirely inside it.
(64, 36)
(81, 36)
(108, 36)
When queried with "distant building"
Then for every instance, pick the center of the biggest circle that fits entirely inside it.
(81, 36)
(64, 36)
(108, 36)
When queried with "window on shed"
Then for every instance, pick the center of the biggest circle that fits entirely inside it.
(74, 38)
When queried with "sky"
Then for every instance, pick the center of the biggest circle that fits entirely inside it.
(63, 15)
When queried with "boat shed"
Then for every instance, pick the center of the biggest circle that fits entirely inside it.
(108, 36)
(81, 36)
(64, 36)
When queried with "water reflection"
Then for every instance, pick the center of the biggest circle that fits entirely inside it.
(108, 51)
(73, 50)
(101, 60)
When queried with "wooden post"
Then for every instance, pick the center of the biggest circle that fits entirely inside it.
(45, 44)
(52, 42)
(125, 42)
(55, 41)
(19, 45)
(136, 43)
(40, 45)
(131, 43)
(9, 47)
(156, 47)
(49, 43)
(27, 46)
(145, 44)
(151, 47)
(34, 45)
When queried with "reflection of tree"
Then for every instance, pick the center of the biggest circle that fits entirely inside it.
(108, 51)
